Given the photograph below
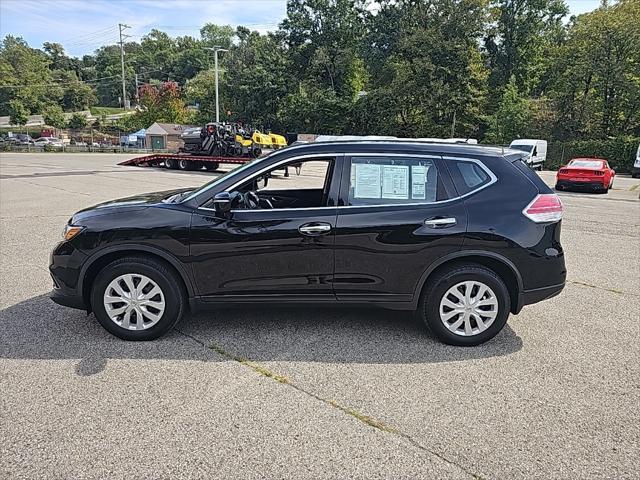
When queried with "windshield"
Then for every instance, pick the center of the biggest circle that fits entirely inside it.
(222, 177)
(586, 163)
(524, 148)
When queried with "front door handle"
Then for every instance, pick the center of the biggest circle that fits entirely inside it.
(315, 229)
(440, 222)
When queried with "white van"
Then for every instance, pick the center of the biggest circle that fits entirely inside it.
(635, 171)
(537, 150)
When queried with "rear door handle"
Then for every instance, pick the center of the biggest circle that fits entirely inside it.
(440, 222)
(315, 229)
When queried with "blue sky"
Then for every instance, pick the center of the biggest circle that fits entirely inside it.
(84, 25)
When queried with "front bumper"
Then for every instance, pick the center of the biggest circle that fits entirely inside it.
(65, 266)
(67, 299)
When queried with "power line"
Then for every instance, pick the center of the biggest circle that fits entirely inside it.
(97, 32)
(58, 84)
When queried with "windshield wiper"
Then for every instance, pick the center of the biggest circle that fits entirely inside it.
(177, 197)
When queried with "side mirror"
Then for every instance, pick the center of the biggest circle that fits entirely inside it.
(222, 204)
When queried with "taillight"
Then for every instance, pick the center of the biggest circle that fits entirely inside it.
(598, 173)
(562, 170)
(544, 208)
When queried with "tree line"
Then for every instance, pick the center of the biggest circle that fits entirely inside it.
(488, 69)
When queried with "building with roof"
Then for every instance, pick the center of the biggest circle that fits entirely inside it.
(165, 136)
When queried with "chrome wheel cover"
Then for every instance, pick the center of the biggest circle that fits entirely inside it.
(468, 308)
(134, 301)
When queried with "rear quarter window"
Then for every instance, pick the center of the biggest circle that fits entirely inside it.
(468, 175)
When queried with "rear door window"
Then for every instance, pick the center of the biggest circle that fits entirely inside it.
(394, 180)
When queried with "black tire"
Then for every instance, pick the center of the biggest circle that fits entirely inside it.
(211, 166)
(437, 287)
(186, 165)
(559, 187)
(158, 272)
(171, 163)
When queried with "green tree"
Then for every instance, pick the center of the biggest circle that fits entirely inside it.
(513, 117)
(255, 80)
(213, 35)
(160, 104)
(200, 90)
(25, 76)
(18, 113)
(54, 116)
(78, 121)
(596, 85)
(78, 96)
(517, 42)
(425, 68)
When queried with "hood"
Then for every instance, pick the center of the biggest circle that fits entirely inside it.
(130, 204)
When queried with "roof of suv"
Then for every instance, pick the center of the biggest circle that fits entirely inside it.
(409, 145)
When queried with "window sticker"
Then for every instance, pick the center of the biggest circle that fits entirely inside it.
(367, 181)
(395, 182)
(418, 181)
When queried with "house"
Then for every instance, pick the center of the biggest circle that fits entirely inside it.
(165, 136)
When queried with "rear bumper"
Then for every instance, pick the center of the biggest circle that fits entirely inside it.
(584, 184)
(538, 295)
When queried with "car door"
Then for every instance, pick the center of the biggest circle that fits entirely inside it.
(398, 215)
(269, 252)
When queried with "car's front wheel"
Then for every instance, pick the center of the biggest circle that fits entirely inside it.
(465, 305)
(137, 298)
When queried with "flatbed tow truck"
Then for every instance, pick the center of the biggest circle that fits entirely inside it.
(183, 161)
(211, 145)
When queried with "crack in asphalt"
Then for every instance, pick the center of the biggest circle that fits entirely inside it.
(367, 420)
(22, 180)
(606, 289)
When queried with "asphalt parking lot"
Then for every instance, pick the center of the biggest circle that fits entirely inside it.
(321, 393)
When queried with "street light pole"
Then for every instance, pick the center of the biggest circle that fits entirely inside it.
(215, 58)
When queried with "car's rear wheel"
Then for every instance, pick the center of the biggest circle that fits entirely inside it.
(137, 298)
(465, 305)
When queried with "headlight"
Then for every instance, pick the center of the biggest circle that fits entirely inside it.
(71, 231)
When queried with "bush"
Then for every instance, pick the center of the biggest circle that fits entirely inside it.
(620, 152)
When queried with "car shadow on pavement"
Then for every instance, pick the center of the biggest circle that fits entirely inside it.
(39, 329)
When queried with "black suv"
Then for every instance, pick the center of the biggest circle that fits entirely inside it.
(462, 234)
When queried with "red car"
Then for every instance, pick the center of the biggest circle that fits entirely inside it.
(586, 173)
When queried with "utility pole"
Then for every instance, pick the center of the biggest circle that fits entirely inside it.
(121, 28)
(215, 55)
(137, 91)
